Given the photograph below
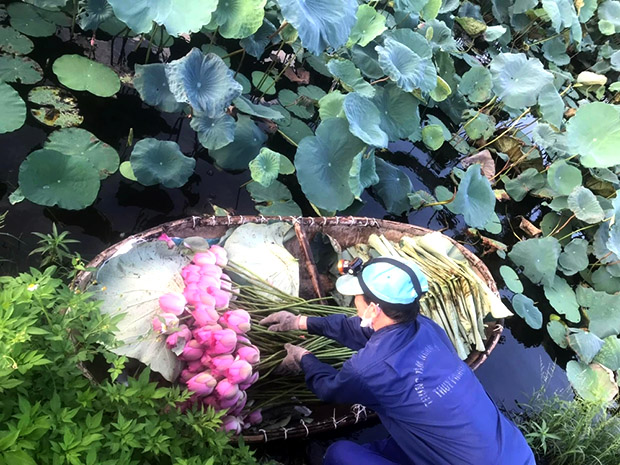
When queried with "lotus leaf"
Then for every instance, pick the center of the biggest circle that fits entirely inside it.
(410, 6)
(594, 133)
(558, 332)
(492, 33)
(613, 241)
(222, 53)
(561, 12)
(517, 80)
(49, 178)
(476, 84)
(587, 10)
(263, 83)
(585, 344)
(318, 63)
(609, 16)
(442, 91)
(81, 143)
(551, 105)
(203, 81)
(57, 107)
(609, 355)
(127, 171)
(246, 106)
(367, 60)
(311, 92)
(525, 308)
(330, 106)
(295, 131)
(13, 113)
(603, 244)
(350, 77)
(404, 66)
(574, 257)
(369, 25)
(585, 206)
(320, 23)
(29, 20)
(238, 19)
(323, 162)
(412, 40)
(246, 85)
(430, 10)
(267, 165)
(538, 257)
(246, 145)
(364, 120)
(602, 310)
(255, 44)
(11, 41)
(92, 13)
(363, 173)
(471, 26)
(393, 187)
(52, 5)
(555, 51)
(152, 84)
(432, 136)
(474, 199)
(295, 104)
(562, 298)
(603, 280)
(139, 15)
(161, 162)
(563, 177)
(277, 199)
(614, 60)
(398, 111)
(442, 39)
(188, 16)
(214, 133)
(511, 279)
(79, 73)
(419, 199)
(593, 382)
(478, 125)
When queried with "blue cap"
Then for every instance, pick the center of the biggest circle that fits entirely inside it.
(387, 279)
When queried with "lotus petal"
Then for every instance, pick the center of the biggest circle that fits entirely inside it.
(214, 133)
(247, 143)
(393, 187)
(161, 162)
(404, 66)
(152, 84)
(517, 80)
(364, 120)
(238, 19)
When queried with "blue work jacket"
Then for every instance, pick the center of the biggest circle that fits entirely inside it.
(427, 398)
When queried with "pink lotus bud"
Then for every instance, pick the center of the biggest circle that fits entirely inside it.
(223, 342)
(239, 372)
(225, 282)
(249, 382)
(220, 364)
(204, 258)
(202, 384)
(256, 417)
(240, 405)
(221, 297)
(221, 257)
(206, 281)
(204, 315)
(185, 375)
(169, 242)
(195, 366)
(232, 424)
(243, 340)
(234, 401)
(173, 302)
(165, 322)
(189, 269)
(192, 293)
(204, 334)
(237, 320)
(213, 271)
(207, 299)
(180, 336)
(226, 390)
(192, 351)
(192, 277)
(250, 354)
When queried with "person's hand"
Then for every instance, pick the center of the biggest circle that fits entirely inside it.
(281, 321)
(292, 362)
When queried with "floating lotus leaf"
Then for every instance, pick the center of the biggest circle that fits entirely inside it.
(81, 143)
(609, 16)
(602, 310)
(246, 85)
(92, 13)
(574, 257)
(594, 133)
(517, 80)
(363, 173)
(603, 280)
(367, 61)
(323, 162)
(11, 41)
(602, 244)
(28, 20)
(247, 143)
(295, 131)
(13, 113)
(511, 279)
(350, 77)
(587, 10)
(614, 60)
(494, 225)
(245, 105)
(188, 16)
(398, 111)
(267, 165)
(331, 105)
(521, 6)
(609, 355)
(364, 120)
(478, 125)
(295, 104)
(320, 23)
(79, 73)
(131, 283)
(432, 136)
(49, 178)
(593, 382)
(214, 133)
(585, 206)
(613, 241)
(562, 298)
(525, 308)
(404, 66)
(203, 81)
(538, 257)
(474, 199)
(527, 181)
(161, 162)
(311, 92)
(140, 14)
(127, 171)
(317, 63)
(222, 53)
(263, 83)
(369, 25)
(152, 84)
(551, 105)
(558, 332)
(255, 44)
(492, 33)
(57, 107)
(419, 199)
(393, 187)
(585, 344)
(555, 51)
(277, 199)
(563, 177)
(238, 19)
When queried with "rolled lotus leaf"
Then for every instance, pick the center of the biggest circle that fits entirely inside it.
(92, 13)
(474, 199)
(363, 173)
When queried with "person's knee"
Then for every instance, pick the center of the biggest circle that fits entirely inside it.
(339, 453)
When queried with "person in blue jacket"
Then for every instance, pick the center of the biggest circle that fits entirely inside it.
(407, 371)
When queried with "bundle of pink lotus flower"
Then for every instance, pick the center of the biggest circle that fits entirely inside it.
(209, 336)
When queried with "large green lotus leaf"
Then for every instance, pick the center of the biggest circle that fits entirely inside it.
(442, 39)
(410, 6)
(367, 60)
(609, 355)
(161, 162)
(603, 280)
(517, 80)
(92, 13)
(602, 310)
(609, 16)
(562, 298)
(49, 178)
(313, 93)
(432, 136)
(474, 199)
(594, 133)
(511, 279)
(574, 257)
(267, 165)
(521, 6)
(295, 131)
(555, 51)
(363, 173)
(613, 241)
(393, 187)
(558, 332)
(139, 15)
(255, 44)
(131, 283)
(320, 23)
(585, 206)
(222, 52)
(273, 200)
(323, 162)
(592, 382)
(364, 120)
(203, 81)
(53, 5)
(350, 77)
(538, 257)
(238, 19)
(188, 16)
(214, 133)
(369, 25)
(551, 105)
(330, 106)
(13, 114)
(152, 84)
(247, 143)
(430, 10)
(525, 308)
(28, 20)
(398, 111)
(57, 107)
(563, 177)
(404, 66)
(478, 125)
(585, 344)
(11, 41)
(561, 13)
(81, 143)
(79, 73)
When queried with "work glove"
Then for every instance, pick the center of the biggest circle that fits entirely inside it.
(291, 364)
(281, 321)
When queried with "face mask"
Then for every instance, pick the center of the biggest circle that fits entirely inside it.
(366, 322)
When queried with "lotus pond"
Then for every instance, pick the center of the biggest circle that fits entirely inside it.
(495, 121)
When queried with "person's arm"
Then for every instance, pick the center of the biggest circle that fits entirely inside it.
(342, 329)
